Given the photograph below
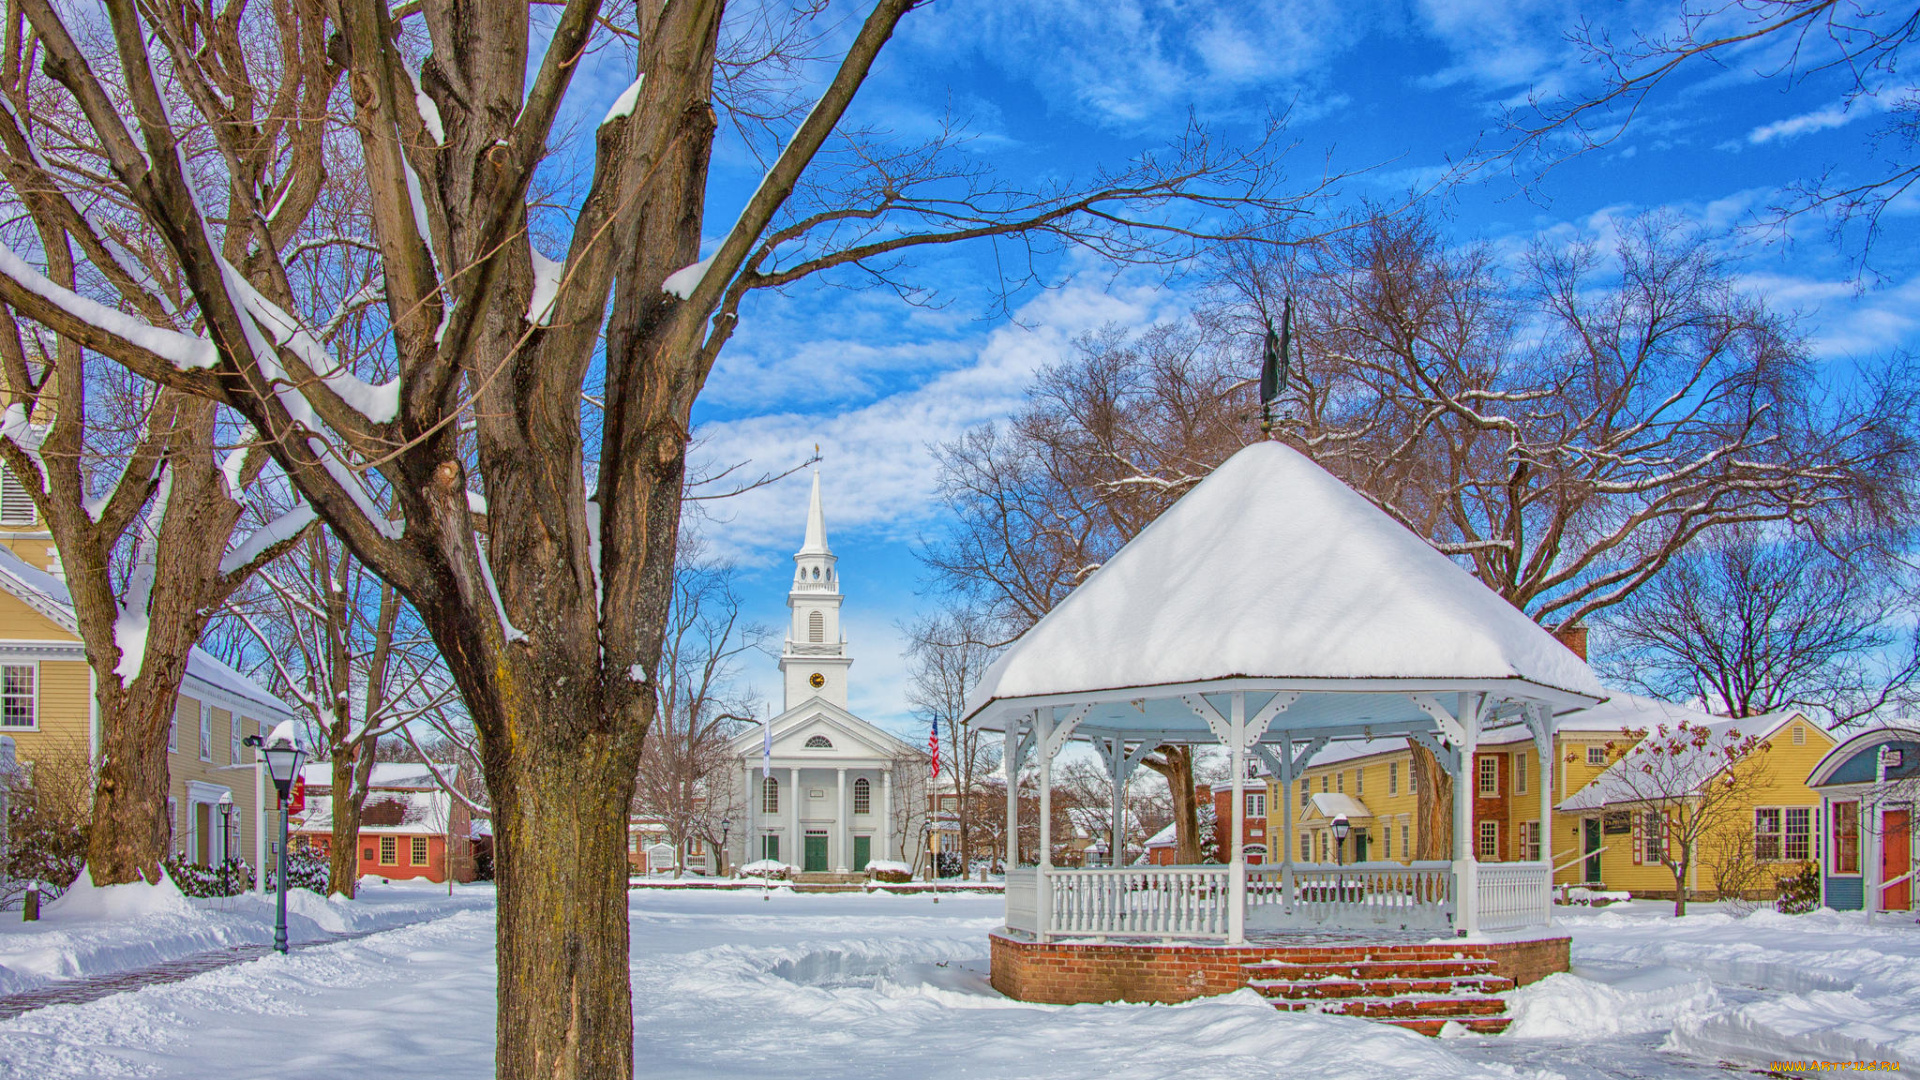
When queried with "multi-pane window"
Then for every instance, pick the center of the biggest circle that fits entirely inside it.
(1306, 847)
(1306, 792)
(1489, 776)
(234, 724)
(206, 732)
(1846, 838)
(1799, 833)
(1653, 837)
(1324, 855)
(1256, 804)
(1360, 781)
(770, 796)
(1406, 841)
(1520, 773)
(862, 796)
(173, 731)
(1596, 756)
(1393, 778)
(389, 851)
(1530, 841)
(17, 697)
(1324, 781)
(1413, 780)
(1766, 833)
(1386, 842)
(419, 851)
(1340, 780)
(1489, 841)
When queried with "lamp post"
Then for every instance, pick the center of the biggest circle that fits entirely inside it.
(226, 843)
(720, 857)
(1341, 827)
(283, 754)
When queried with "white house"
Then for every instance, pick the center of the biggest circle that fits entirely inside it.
(821, 783)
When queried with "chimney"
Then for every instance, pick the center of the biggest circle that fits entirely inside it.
(1575, 639)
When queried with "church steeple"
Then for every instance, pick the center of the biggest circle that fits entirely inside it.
(814, 662)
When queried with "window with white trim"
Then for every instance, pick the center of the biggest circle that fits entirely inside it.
(1340, 781)
(1489, 841)
(1393, 778)
(1596, 756)
(19, 695)
(863, 796)
(206, 732)
(1406, 840)
(1651, 841)
(1386, 842)
(1360, 780)
(1520, 774)
(1256, 804)
(1530, 841)
(1324, 849)
(235, 722)
(1766, 833)
(173, 731)
(1797, 843)
(16, 506)
(1306, 793)
(1306, 847)
(769, 796)
(819, 742)
(1489, 776)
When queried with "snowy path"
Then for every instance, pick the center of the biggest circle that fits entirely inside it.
(726, 984)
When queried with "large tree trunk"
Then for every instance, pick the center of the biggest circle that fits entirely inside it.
(560, 829)
(1176, 766)
(1433, 804)
(131, 831)
(351, 771)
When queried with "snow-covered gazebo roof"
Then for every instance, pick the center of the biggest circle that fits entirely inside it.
(1271, 576)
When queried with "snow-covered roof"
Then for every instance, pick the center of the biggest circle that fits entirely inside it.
(48, 595)
(385, 811)
(1857, 760)
(386, 774)
(1163, 838)
(1272, 569)
(1614, 787)
(1332, 804)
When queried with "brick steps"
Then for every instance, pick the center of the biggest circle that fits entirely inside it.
(1418, 994)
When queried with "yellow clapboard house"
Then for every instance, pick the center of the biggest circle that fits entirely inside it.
(1773, 828)
(47, 701)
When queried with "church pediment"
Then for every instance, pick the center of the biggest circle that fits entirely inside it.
(819, 729)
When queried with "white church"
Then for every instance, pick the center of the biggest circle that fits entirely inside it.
(829, 803)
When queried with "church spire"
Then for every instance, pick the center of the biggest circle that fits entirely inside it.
(816, 540)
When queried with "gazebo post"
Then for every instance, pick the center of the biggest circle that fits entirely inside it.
(1466, 877)
(1237, 869)
(1117, 769)
(1286, 823)
(1010, 764)
(1543, 741)
(1043, 888)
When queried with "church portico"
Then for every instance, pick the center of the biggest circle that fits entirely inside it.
(820, 781)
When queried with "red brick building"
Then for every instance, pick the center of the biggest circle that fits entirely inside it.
(409, 826)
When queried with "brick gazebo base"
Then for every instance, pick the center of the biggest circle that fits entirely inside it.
(1406, 979)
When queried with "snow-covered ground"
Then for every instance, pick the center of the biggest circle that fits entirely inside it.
(729, 984)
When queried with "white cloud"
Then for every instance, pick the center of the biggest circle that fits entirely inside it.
(1832, 116)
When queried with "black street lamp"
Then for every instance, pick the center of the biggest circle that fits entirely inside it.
(283, 756)
(226, 843)
(720, 857)
(1341, 827)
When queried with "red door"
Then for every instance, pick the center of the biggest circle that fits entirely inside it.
(1896, 858)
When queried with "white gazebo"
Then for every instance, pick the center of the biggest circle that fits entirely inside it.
(1273, 610)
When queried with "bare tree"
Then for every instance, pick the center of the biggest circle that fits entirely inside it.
(1686, 786)
(946, 655)
(1754, 623)
(342, 644)
(1785, 41)
(911, 805)
(552, 619)
(682, 780)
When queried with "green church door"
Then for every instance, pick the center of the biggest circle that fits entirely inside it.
(816, 853)
(862, 851)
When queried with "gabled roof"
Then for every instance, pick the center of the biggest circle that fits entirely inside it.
(48, 595)
(1611, 787)
(818, 712)
(385, 774)
(1270, 568)
(1333, 804)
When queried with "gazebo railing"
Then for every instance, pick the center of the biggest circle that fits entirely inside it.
(1359, 895)
(1514, 896)
(1132, 901)
(1023, 900)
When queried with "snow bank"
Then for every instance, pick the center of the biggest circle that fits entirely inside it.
(889, 866)
(1593, 1005)
(84, 901)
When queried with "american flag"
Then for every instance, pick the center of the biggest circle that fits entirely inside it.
(933, 747)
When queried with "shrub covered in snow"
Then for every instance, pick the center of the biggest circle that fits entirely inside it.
(1799, 892)
(232, 878)
(770, 870)
(49, 808)
(889, 872)
(306, 869)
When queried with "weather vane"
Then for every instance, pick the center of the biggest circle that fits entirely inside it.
(1274, 365)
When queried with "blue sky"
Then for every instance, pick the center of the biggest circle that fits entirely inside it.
(1058, 87)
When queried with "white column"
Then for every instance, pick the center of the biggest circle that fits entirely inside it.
(1043, 891)
(886, 812)
(795, 847)
(1117, 769)
(1237, 869)
(1544, 751)
(260, 824)
(1466, 883)
(1008, 765)
(756, 791)
(840, 823)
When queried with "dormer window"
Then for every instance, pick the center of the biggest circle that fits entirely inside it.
(819, 742)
